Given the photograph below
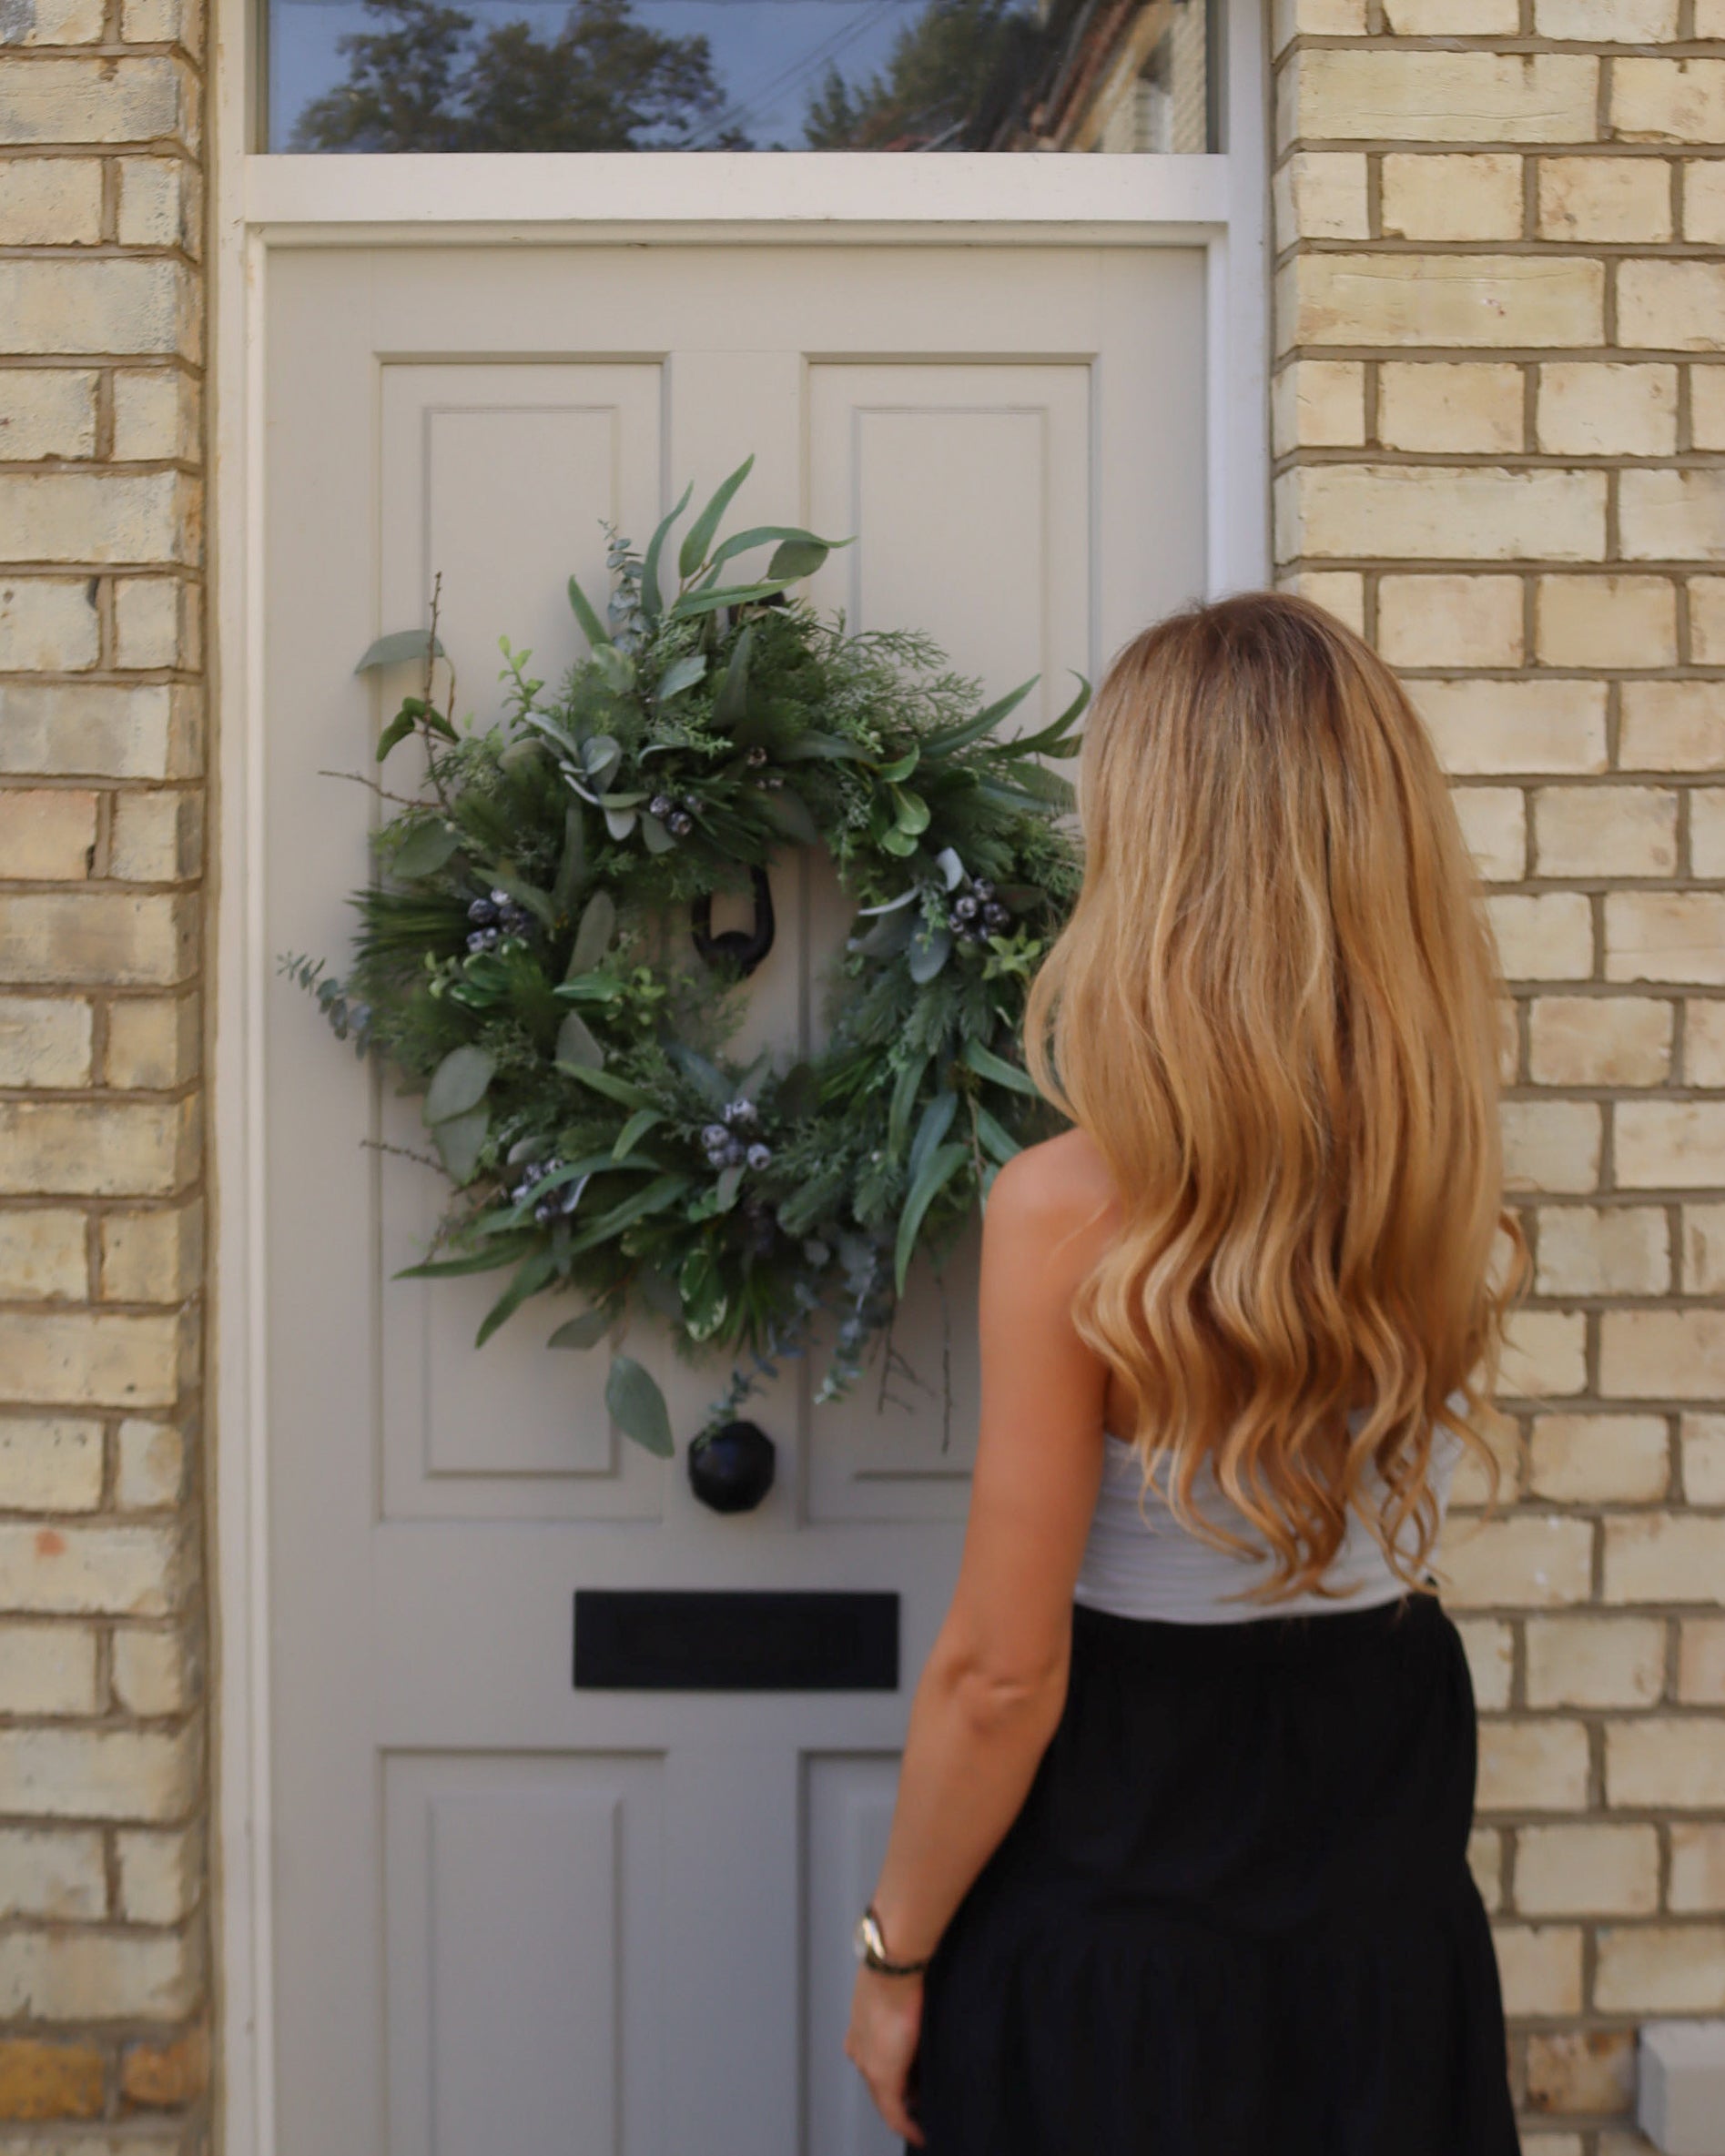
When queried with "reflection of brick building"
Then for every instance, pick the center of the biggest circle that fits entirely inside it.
(1118, 74)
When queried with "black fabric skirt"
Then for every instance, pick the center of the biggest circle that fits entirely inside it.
(1233, 1916)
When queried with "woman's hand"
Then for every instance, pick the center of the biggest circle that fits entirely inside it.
(886, 2018)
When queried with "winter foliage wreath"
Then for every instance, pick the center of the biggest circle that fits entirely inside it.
(536, 956)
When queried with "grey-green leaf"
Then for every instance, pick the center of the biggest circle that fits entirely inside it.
(987, 1064)
(794, 559)
(398, 649)
(929, 950)
(584, 1331)
(652, 604)
(637, 1406)
(788, 813)
(458, 1140)
(936, 1120)
(572, 867)
(577, 1044)
(592, 938)
(459, 1082)
(424, 851)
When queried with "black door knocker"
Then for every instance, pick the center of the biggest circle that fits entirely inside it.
(745, 946)
(731, 1468)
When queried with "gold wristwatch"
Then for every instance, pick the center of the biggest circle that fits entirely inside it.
(871, 1948)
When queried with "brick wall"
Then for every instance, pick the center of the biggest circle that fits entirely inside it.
(102, 1944)
(1498, 404)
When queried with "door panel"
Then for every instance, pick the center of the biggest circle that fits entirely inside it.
(510, 1915)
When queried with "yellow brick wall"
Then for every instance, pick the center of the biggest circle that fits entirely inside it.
(1498, 405)
(102, 1948)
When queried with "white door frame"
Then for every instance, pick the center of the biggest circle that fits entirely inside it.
(1218, 202)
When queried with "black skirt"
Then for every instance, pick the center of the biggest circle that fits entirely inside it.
(1233, 1916)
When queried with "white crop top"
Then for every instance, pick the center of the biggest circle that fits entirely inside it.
(1147, 1565)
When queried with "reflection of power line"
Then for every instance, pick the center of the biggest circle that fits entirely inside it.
(737, 114)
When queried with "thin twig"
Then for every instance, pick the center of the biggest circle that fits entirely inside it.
(377, 1145)
(360, 778)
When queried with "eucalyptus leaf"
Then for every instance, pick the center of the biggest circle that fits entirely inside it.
(459, 1082)
(680, 675)
(742, 543)
(929, 950)
(937, 1171)
(503, 1249)
(794, 559)
(638, 1125)
(654, 836)
(584, 1331)
(606, 1082)
(620, 822)
(424, 851)
(729, 1183)
(813, 743)
(398, 649)
(617, 667)
(888, 937)
(637, 1406)
(576, 1044)
(600, 755)
(945, 740)
(994, 1136)
(700, 534)
(594, 933)
(693, 604)
(460, 1140)
(904, 897)
(904, 1098)
(951, 868)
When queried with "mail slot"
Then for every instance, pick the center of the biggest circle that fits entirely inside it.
(749, 1639)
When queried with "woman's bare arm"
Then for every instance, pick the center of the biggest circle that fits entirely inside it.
(995, 1682)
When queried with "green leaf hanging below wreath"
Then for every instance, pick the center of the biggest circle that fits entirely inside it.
(526, 961)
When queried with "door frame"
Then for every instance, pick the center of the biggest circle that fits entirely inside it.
(1219, 202)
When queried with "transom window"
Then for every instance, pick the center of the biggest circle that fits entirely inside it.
(1119, 75)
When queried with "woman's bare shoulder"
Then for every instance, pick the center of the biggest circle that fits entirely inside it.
(1055, 1191)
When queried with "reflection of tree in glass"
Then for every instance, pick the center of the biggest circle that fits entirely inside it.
(952, 78)
(603, 82)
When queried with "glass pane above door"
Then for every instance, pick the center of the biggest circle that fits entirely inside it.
(1124, 76)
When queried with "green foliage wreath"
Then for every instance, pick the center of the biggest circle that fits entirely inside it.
(524, 960)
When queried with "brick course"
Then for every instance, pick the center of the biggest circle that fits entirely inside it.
(1500, 395)
(104, 1953)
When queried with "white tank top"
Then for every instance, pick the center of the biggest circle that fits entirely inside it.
(1145, 1565)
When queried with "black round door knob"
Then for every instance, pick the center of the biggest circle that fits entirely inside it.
(731, 1468)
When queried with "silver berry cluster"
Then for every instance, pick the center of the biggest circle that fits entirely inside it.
(495, 916)
(727, 1146)
(676, 819)
(975, 913)
(555, 1204)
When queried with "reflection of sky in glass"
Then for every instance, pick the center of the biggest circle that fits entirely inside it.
(769, 54)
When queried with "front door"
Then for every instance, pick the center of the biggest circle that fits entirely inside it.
(513, 1917)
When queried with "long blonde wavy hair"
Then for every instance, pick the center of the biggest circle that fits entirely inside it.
(1274, 1009)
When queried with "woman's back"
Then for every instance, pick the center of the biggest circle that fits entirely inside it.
(1140, 1563)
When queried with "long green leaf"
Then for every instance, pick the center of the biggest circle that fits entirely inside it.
(535, 1273)
(693, 604)
(651, 604)
(397, 649)
(591, 627)
(936, 1120)
(733, 693)
(708, 1080)
(995, 1137)
(904, 1098)
(606, 1082)
(788, 813)
(572, 861)
(740, 543)
(938, 1170)
(1051, 739)
(987, 1064)
(665, 1189)
(637, 1406)
(397, 731)
(796, 558)
(597, 925)
(503, 1249)
(639, 1124)
(700, 534)
(946, 739)
(424, 851)
(814, 743)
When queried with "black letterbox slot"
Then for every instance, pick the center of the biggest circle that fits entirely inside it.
(737, 1640)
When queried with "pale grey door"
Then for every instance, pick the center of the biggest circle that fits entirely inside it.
(511, 1918)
